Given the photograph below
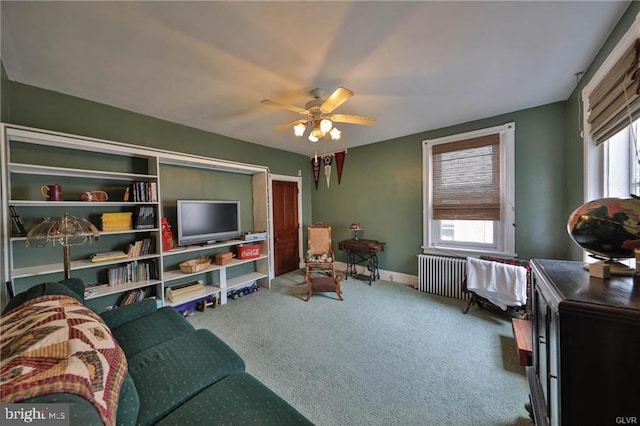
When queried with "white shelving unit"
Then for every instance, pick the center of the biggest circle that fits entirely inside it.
(114, 165)
(224, 284)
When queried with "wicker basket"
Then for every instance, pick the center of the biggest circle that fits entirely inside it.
(195, 265)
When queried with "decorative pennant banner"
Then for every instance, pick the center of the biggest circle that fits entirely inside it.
(340, 163)
(315, 165)
(327, 168)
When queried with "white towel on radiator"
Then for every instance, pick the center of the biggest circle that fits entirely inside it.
(502, 284)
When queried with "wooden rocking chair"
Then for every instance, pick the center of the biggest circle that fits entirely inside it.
(319, 256)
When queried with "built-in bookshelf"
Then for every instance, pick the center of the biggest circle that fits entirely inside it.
(131, 178)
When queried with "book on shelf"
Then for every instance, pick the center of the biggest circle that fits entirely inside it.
(142, 192)
(108, 255)
(18, 223)
(142, 247)
(91, 289)
(145, 217)
(133, 296)
(137, 270)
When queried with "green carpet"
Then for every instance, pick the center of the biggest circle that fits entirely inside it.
(387, 355)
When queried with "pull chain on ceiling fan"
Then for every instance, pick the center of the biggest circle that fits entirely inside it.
(319, 119)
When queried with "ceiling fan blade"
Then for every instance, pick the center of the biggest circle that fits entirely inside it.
(290, 125)
(353, 119)
(285, 106)
(337, 98)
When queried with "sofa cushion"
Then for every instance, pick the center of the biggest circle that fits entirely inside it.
(236, 399)
(147, 331)
(72, 287)
(168, 374)
(117, 317)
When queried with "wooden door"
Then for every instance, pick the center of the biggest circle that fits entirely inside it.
(285, 226)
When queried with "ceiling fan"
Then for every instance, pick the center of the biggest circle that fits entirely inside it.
(318, 115)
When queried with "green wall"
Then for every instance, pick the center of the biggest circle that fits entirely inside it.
(4, 98)
(382, 189)
(381, 183)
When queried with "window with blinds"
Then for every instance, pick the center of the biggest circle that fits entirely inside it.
(466, 179)
(615, 102)
(469, 194)
(611, 101)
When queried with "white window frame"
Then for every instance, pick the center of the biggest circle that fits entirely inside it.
(505, 232)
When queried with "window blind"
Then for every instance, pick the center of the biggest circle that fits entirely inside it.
(466, 179)
(615, 102)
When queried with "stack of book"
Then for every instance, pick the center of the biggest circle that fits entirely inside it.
(117, 221)
(108, 255)
(145, 217)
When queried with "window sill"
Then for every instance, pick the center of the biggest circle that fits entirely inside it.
(464, 252)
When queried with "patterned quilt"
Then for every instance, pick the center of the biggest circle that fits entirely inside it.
(54, 344)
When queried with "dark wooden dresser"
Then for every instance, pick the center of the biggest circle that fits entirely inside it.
(586, 347)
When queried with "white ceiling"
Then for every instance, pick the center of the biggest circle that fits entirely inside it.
(415, 66)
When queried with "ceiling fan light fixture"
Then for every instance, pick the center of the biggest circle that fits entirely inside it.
(325, 125)
(317, 132)
(319, 119)
(299, 129)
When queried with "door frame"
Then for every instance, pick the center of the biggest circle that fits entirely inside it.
(298, 180)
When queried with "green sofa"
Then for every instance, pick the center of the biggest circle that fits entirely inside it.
(177, 375)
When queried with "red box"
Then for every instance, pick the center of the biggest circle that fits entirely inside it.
(249, 251)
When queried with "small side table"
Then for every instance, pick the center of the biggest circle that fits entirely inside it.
(362, 252)
(522, 334)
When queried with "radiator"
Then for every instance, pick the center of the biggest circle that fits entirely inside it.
(442, 275)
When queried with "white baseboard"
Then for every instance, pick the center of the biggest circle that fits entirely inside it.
(392, 276)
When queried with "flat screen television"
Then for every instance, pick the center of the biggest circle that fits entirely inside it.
(207, 221)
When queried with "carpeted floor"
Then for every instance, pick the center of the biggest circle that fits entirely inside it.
(387, 355)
